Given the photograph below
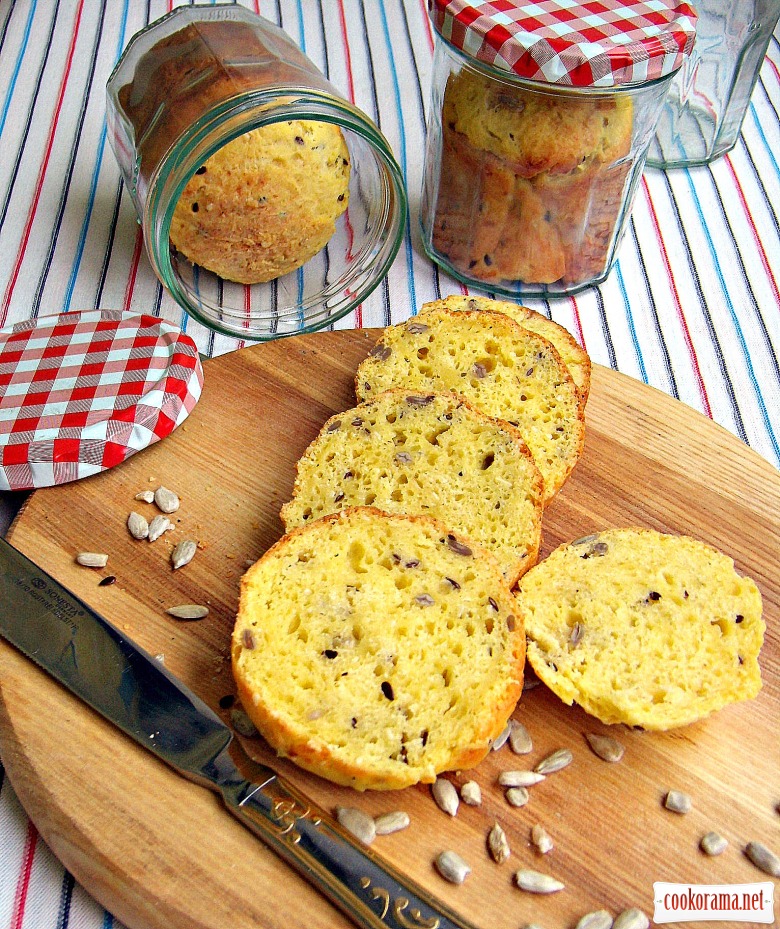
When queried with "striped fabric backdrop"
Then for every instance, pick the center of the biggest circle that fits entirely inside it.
(692, 306)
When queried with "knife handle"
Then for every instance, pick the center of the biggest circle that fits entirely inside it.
(369, 891)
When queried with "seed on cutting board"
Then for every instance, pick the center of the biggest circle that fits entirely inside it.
(183, 553)
(452, 867)
(137, 526)
(678, 802)
(92, 559)
(598, 919)
(541, 839)
(517, 796)
(157, 527)
(607, 748)
(242, 723)
(166, 500)
(471, 793)
(713, 844)
(631, 918)
(519, 778)
(501, 740)
(555, 762)
(388, 823)
(519, 738)
(188, 611)
(445, 795)
(536, 882)
(147, 496)
(107, 580)
(498, 844)
(360, 824)
(763, 858)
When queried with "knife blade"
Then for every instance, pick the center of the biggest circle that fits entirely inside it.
(98, 663)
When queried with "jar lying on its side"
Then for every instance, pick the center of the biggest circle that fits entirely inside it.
(269, 204)
(537, 138)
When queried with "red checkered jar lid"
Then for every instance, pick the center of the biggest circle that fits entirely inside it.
(599, 43)
(82, 391)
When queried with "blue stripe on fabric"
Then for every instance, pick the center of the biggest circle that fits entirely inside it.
(630, 318)
(762, 135)
(93, 186)
(66, 899)
(733, 314)
(397, 92)
(18, 65)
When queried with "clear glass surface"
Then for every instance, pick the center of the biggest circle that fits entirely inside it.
(703, 114)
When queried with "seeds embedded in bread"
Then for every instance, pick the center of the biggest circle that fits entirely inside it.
(378, 650)
(499, 367)
(430, 454)
(643, 628)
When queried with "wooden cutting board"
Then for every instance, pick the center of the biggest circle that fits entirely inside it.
(160, 852)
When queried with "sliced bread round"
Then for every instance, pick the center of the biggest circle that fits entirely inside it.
(377, 650)
(643, 628)
(429, 454)
(499, 367)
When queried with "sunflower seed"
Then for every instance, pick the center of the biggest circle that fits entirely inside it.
(183, 553)
(498, 845)
(632, 918)
(471, 794)
(92, 559)
(536, 882)
(541, 839)
(764, 859)
(598, 919)
(607, 748)
(242, 723)
(452, 867)
(445, 795)
(713, 844)
(501, 739)
(577, 632)
(519, 778)
(167, 501)
(188, 611)
(147, 496)
(360, 824)
(678, 802)
(517, 796)
(137, 526)
(388, 823)
(559, 759)
(157, 527)
(519, 739)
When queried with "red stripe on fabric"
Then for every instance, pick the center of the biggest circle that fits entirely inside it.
(133, 270)
(427, 21)
(756, 236)
(578, 334)
(677, 303)
(10, 287)
(23, 883)
(351, 88)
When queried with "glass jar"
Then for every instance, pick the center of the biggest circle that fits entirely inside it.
(269, 204)
(703, 113)
(537, 136)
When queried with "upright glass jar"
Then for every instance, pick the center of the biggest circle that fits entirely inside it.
(269, 204)
(708, 99)
(537, 134)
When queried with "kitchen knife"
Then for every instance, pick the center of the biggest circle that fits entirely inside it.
(98, 663)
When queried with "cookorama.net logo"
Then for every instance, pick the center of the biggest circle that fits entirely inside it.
(753, 903)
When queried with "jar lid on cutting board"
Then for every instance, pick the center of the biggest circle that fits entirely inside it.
(82, 391)
(590, 43)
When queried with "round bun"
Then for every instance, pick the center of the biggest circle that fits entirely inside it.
(642, 628)
(431, 455)
(266, 202)
(377, 650)
(499, 367)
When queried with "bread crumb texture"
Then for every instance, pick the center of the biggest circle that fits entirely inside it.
(266, 202)
(429, 454)
(643, 628)
(378, 650)
(499, 367)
